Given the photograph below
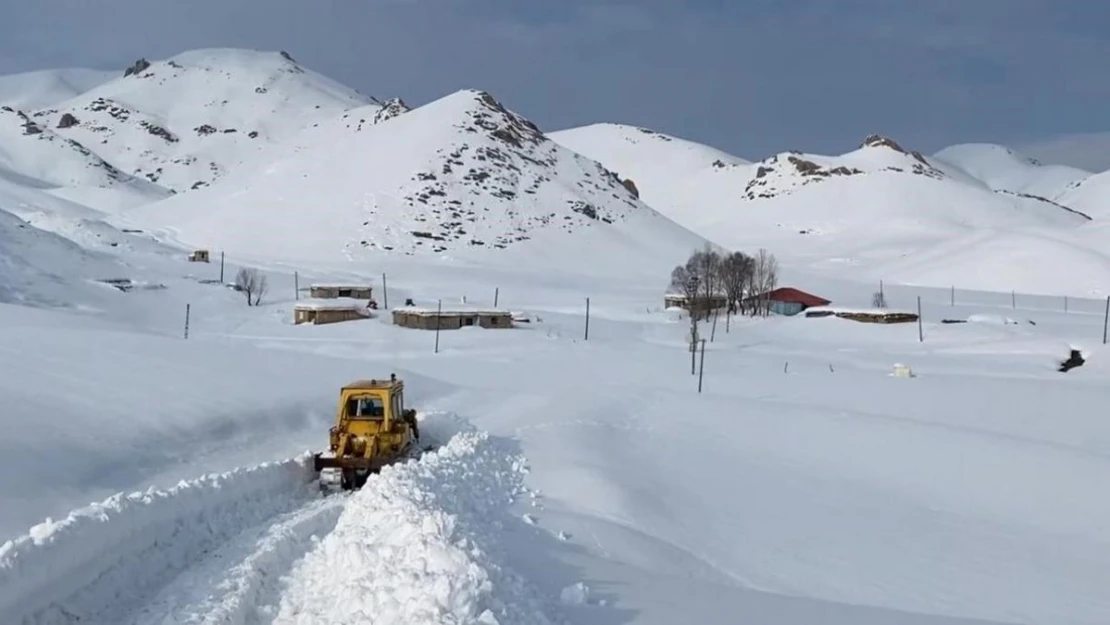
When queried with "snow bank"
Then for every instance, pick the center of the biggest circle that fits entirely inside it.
(420, 544)
(98, 557)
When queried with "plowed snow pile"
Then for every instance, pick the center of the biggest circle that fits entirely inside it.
(419, 544)
(102, 559)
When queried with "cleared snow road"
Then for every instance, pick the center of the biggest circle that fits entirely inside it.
(417, 544)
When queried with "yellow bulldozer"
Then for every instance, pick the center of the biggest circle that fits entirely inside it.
(372, 429)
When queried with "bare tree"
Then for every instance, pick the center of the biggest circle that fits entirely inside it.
(706, 265)
(878, 300)
(765, 277)
(735, 271)
(687, 282)
(251, 283)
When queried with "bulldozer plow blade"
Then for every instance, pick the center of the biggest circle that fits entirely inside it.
(341, 474)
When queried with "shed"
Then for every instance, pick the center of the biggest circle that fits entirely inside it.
(198, 256)
(334, 291)
(700, 302)
(788, 300)
(319, 312)
(451, 318)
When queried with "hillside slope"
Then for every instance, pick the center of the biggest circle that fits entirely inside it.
(187, 121)
(40, 268)
(1089, 151)
(1002, 168)
(653, 161)
(459, 176)
(35, 156)
(43, 88)
(1091, 195)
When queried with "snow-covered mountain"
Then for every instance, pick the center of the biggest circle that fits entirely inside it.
(33, 151)
(1005, 170)
(457, 176)
(1089, 151)
(40, 89)
(651, 160)
(880, 210)
(188, 120)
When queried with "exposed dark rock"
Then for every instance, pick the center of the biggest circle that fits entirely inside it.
(68, 120)
(136, 68)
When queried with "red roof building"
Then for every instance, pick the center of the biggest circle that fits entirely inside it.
(789, 301)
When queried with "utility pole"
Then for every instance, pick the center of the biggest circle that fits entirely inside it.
(439, 320)
(701, 369)
(188, 306)
(385, 294)
(296, 286)
(221, 267)
(920, 331)
(587, 337)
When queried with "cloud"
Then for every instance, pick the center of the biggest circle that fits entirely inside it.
(753, 77)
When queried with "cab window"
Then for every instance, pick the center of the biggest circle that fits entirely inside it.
(370, 407)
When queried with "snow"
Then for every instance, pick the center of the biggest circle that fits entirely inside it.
(40, 89)
(451, 308)
(187, 120)
(332, 304)
(882, 210)
(392, 558)
(1002, 168)
(577, 479)
(1090, 151)
(461, 177)
(652, 160)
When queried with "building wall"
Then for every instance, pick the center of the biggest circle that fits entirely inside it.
(319, 317)
(450, 322)
(786, 308)
(364, 292)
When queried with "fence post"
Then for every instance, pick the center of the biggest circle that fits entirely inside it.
(496, 292)
(920, 331)
(713, 332)
(439, 320)
(296, 286)
(693, 349)
(587, 337)
(1013, 300)
(728, 319)
(189, 306)
(221, 267)
(1105, 317)
(701, 367)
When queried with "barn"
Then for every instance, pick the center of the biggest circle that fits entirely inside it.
(451, 318)
(336, 291)
(788, 300)
(318, 312)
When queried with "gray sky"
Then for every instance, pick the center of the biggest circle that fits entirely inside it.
(752, 77)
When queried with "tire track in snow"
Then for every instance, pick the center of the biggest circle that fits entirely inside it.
(102, 561)
(215, 592)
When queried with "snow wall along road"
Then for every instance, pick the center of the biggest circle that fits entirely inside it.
(418, 544)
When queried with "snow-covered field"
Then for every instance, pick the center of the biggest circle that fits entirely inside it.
(150, 477)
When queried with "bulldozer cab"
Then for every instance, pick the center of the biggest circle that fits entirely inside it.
(368, 407)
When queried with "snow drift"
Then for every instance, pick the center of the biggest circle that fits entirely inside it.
(420, 544)
(99, 559)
